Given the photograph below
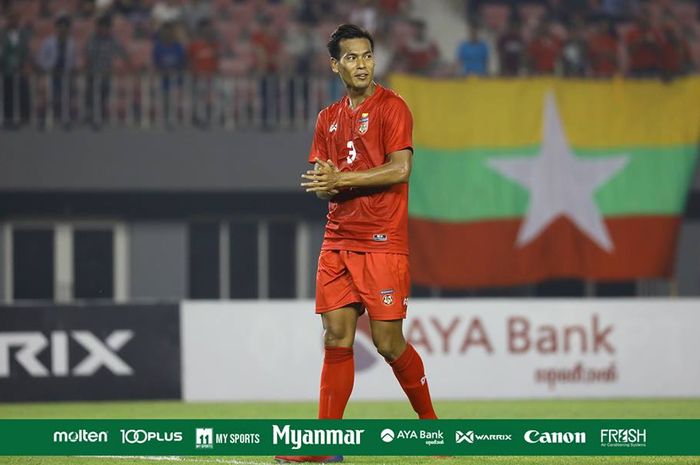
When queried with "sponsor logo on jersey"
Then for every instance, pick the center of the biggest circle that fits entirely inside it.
(333, 127)
(364, 123)
(380, 237)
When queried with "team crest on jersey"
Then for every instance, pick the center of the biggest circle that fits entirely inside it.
(387, 296)
(364, 123)
(333, 127)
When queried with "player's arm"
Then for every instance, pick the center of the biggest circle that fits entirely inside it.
(326, 177)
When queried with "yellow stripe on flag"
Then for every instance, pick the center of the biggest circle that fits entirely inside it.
(502, 113)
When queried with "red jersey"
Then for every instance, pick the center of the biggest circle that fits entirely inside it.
(368, 219)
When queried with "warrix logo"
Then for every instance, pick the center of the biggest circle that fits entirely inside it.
(32, 343)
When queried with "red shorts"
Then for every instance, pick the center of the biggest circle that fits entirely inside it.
(379, 281)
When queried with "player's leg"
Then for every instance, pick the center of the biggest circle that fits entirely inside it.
(383, 281)
(336, 303)
(406, 364)
(338, 373)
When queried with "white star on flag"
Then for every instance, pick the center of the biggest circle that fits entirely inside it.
(560, 183)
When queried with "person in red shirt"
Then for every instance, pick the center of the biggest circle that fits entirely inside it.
(362, 152)
(203, 52)
(644, 48)
(675, 52)
(203, 57)
(544, 51)
(602, 50)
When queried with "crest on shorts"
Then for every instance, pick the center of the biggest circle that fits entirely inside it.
(364, 123)
(387, 296)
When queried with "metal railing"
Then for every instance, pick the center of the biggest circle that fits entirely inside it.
(163, 101)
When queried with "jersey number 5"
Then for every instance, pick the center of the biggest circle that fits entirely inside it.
(352, 153)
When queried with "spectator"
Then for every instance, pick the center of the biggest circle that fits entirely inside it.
(511, 50)
(169, 60)
(168, 53)
(383, 55)
(194, 12)
(86, 9)
(574, 54)
(364, 14)
(101, 51)
(267, 45)
(132, 9)
(14, 66)
(644, 48)
(544, 50)
(620, 10)
(204, 51)
(57, 57)
(418, 55)
(603, 50)
(675, 51)
(203, 57)
(472, 54)
(312, 12)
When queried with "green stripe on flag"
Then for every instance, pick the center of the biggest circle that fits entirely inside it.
(458, 185)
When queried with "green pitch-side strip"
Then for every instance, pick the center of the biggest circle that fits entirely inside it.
(460, 186)
(349, 437)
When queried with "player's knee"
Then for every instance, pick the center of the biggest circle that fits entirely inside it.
(390, 349)
(338, 336)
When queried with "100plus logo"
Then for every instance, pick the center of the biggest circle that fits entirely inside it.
(28, 345)
(141, 436)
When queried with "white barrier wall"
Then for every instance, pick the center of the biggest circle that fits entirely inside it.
(472, 348)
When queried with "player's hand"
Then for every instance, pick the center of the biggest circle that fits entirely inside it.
(324, 178)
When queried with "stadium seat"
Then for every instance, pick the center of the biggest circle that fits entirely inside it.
(28, 10)
(42, 28)
(229, 33)
(140, 52)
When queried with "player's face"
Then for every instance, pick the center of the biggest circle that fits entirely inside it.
(356, 63)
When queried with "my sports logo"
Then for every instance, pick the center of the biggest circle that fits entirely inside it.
(204, 438)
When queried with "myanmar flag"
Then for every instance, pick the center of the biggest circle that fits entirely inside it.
(516, 181)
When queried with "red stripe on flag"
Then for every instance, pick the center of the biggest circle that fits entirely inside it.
(480, 254)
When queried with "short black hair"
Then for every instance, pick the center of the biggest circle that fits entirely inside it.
(347, 31)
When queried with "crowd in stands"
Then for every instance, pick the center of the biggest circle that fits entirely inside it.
(573, 38)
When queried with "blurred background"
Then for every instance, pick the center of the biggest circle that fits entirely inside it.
(150, 153)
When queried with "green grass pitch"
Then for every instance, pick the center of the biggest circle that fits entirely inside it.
(652, 408)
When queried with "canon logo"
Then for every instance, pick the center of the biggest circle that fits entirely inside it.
(30, 344)
(534, 437)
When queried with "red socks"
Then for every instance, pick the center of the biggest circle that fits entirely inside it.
(337, 379)
(409, 370)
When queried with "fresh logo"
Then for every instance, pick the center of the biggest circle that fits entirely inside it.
(534, 437)
(140, 436)
(30, 344)
(301, 437)
(80, 436)
(204, 438)
(631, 437)
(461, 437)
(387, 435)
